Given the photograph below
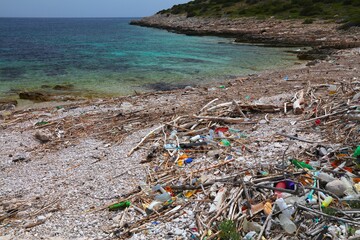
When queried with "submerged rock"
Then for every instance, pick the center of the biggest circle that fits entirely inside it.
(35, 96)
(63, 87)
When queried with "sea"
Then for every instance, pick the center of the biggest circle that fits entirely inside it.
(110, 57)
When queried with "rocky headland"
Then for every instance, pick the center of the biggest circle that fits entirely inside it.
(269, 31)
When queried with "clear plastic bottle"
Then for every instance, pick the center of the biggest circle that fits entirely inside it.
(286, 210)
(287, 224)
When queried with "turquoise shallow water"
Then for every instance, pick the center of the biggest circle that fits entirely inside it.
(109, 56)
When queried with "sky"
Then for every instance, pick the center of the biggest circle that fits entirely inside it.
(83, 8)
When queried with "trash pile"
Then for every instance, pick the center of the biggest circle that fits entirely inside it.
(199, 185)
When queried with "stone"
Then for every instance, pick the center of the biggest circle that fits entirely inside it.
(6, 237)
(34, 96)
(41, 218)
(178, 231)
(21, 157)
(356, 97)
(43, 136)
(63, 87)
(7, 104)
(337, 187)
(263, 121)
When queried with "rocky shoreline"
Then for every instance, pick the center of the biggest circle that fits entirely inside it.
(61, 187)
(271, 31)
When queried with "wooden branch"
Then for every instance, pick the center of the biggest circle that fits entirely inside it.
(237, 106)
(143, 139)
(265, 224)
(296, 138)
(326, 215)
(207, 105)
(224, 119)
(325, 116)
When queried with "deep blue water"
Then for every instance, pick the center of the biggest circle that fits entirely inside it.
(110, 56)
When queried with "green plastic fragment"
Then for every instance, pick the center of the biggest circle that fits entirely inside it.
(225, 142)
(119, 206)
(357, 152)
(300, 164)
(41, 123)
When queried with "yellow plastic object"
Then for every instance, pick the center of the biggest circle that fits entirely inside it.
(326, 201)
(267, 208)
(357, 187)
(181, 159)
(189, 193)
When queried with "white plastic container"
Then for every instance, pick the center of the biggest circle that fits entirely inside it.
(286, 210)
(287, 224)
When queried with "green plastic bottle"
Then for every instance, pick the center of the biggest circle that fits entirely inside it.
(119, 206)
(300, 164)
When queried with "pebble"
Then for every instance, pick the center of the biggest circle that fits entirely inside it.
(43, 136)
(6, 237)
(21, 157)
(356, 97)
(278, 145)
(263, 121)
(41, 218)
(337, 187)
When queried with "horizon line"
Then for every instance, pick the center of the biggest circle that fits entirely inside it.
(74, 17)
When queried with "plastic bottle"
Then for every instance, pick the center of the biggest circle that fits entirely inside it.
(195, 138)
(119, 206)
(170, 146)
(210, 137)
(286, 210)
(287, 224)
(300, 164)
(332, 89)
(173, 134)
(163, 197)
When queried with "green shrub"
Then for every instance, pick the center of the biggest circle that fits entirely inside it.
(308, 21)
(228, 231)
(354, 22)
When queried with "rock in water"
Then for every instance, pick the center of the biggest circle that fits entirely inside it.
(337, 187)
(35, 96)
(43, 136)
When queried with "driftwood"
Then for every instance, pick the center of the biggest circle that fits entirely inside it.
(297, 106)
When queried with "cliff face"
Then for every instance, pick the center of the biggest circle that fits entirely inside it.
(271, 31)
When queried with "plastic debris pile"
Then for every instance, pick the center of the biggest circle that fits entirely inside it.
(203, 184)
